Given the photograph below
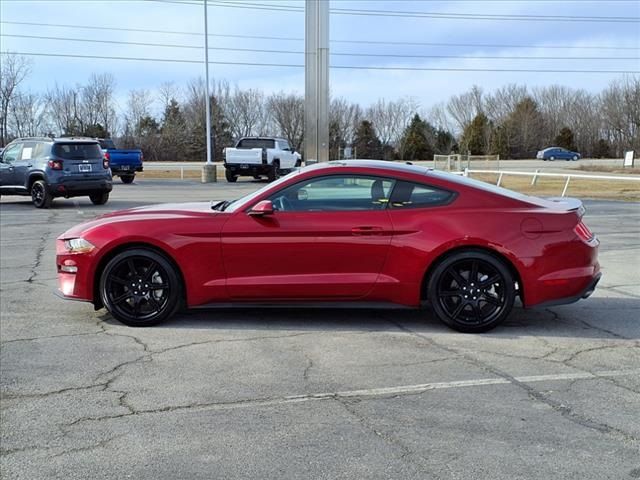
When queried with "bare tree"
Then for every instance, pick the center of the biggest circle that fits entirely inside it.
(620, 105)
(63, 105)
(28, 115)
(247, 113)
(499, 105)
(464, 107)
(138, 107)
(287, 111)
(13, 70)
(390, 118)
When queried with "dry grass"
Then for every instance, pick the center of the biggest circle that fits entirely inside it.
(578, 187)
(175, 174)
(606, 169)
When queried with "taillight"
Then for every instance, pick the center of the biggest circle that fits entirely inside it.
(105, 160)
(55, 164)
(583, 232)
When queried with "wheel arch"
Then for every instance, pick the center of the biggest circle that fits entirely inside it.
(478, 248)
(33, 177)
(97, 301)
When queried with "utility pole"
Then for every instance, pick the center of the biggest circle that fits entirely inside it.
(316, 68)
(209, 169)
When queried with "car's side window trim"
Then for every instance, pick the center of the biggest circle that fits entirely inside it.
(384, 207)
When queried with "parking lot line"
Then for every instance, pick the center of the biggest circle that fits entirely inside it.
(413, 389)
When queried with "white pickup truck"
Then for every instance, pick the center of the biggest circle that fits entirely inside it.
(260, 156)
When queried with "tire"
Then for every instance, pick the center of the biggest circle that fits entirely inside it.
(274, 173)
(127, 178)
(467, 304)
(40, 195)
(257, 177)
(552, 158)
(575, 158)
(298, 163)
(99, 198)
(230, 176)
(126, 288)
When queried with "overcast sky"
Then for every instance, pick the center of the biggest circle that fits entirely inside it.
(250, 17)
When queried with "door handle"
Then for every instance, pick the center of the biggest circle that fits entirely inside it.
(367, 230)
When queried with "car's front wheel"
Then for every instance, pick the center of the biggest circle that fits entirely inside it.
(40, 195)
(140, 288)
(575, 157)
(471, 291)
(552, 158)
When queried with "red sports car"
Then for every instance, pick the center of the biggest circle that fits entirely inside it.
(354, 233)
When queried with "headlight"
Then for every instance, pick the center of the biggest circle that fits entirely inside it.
(78, 245)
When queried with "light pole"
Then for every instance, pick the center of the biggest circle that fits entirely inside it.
(209, 169)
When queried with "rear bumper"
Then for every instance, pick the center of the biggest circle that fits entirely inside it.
(72, 187)
(584, 293)
(248, 169)
(125, 169)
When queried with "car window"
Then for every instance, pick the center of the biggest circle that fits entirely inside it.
(415, 195)
(335, 193)
(77, 151)
(11, 153)
(27, 151)
(284, 145)
(41, 150)
(256, 143)
(107, 144)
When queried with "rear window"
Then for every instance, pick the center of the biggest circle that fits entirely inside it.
(107, 144)
(256, 143)
(77, 151)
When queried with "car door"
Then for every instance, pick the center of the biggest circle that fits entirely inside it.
(287, 160)
(328, 239)
(7, 167)
(24, 163)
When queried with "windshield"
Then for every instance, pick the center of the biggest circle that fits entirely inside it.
(77, 151)
(256, 143)
(236, 204)
(107, 143)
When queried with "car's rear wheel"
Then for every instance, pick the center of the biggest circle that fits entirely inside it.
(575, 157)
(99, 198)
(552, 158)
(140, 288)
(230, 176)
(127, 178)
(471, 291)
(40, 195)
(274, 173)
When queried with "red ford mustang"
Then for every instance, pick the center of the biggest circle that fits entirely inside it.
(355, 233)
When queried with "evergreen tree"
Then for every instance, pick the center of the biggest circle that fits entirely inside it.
(366, 142)
(415, 141)
(602, 149)
(475, 138)
(565, 139)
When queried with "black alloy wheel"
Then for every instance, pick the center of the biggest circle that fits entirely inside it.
(472, 291)
(40, 196)
(140, 288)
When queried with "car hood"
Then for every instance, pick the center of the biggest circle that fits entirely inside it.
(166, 211)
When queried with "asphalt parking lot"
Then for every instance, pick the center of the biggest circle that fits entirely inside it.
(552, 394)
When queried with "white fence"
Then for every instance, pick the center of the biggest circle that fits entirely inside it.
(535, 175)
(459, 161)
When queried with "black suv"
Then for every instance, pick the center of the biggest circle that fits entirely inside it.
(46, 168)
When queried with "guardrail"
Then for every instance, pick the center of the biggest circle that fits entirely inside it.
(538, 173)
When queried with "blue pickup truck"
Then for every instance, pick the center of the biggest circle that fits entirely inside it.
(123, 163)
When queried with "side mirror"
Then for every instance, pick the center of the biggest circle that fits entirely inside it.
(260, 209)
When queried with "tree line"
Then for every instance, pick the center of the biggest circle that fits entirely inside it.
(513, 121)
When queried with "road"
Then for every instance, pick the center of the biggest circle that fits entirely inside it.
(289, 394)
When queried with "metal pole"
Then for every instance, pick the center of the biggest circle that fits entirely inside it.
(206, 76)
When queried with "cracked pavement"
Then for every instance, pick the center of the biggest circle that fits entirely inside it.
(553, 393)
